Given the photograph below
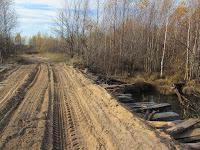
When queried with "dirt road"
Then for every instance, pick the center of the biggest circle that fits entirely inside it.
(53, 106)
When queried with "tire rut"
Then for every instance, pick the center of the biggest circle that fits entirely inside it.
(15, 100)
(29, 115)
(64, 121)
(47, 142)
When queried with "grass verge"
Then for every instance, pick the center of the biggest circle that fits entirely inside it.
(61, 57)
(164, 84)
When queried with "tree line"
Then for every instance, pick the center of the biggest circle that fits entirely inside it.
(124, 36)
(8, 21)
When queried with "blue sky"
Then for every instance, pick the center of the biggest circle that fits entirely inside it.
(35, 16)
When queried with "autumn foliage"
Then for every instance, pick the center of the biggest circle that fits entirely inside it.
(123, 37)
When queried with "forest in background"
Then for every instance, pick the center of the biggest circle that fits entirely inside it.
(8, 22)
(119, 37)
(122, 37)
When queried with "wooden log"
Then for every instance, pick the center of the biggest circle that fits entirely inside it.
(149, 115)
(182, 127)
(142, 104)
(193, 146)
(161, 123)
(115, 86)
(117, 90)
(166, 125)
(179, 96)
(165, 116)
(125, 99)
(189, 136)
(190, 133)
(128, 95)
(104, 85)
(178, 121)
(162, 107)
(190, 139)
(138, 106)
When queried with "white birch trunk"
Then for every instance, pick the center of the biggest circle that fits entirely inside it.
(163, 56)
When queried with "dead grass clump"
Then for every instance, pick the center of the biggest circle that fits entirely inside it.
(143, 75)
(165, 89)
(191, 83)
(188, 90)
(138, 79)
(162, 82)
(155, 76)
(190, 87)
(58, 57)
(177, 78)
(168, 72)
(73, 61)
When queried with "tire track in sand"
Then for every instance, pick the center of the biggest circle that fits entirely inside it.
(13, 93)
(65, 135)
(56, 107)
(100, 121)
(27, 126)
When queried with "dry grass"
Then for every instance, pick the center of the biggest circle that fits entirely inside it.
(58, 57)
(61, 57)
(190, 88)
(163, 84)
(165, 89)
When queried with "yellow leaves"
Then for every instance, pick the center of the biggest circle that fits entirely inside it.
(29, 45)
(180, 11)
(18, 39)
(143, 4)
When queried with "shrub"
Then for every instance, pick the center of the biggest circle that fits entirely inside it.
(162, 82)
(165, 89)
(155, 76)
(188, 90)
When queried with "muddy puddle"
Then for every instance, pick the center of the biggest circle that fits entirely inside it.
(171, 99)
(2, 66)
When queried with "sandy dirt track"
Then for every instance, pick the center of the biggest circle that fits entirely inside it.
(54, 106)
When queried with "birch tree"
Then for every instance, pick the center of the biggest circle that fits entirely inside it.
(8, 21)
(167, 7)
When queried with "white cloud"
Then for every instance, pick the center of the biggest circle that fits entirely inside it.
(35, 14)
(52, 3)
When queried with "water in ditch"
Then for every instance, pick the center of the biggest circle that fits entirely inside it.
(184, 111)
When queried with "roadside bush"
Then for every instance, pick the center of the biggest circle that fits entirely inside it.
(188, 90)
(162, 82)
(177, 78)
(165, 89)
(155, 76)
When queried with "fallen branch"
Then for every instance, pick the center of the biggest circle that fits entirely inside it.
(182, 127)
(151, 115)
(116, 86)
(181, 101)
(179, 96)
(161, 123)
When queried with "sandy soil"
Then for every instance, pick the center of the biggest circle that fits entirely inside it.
(53, 106)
